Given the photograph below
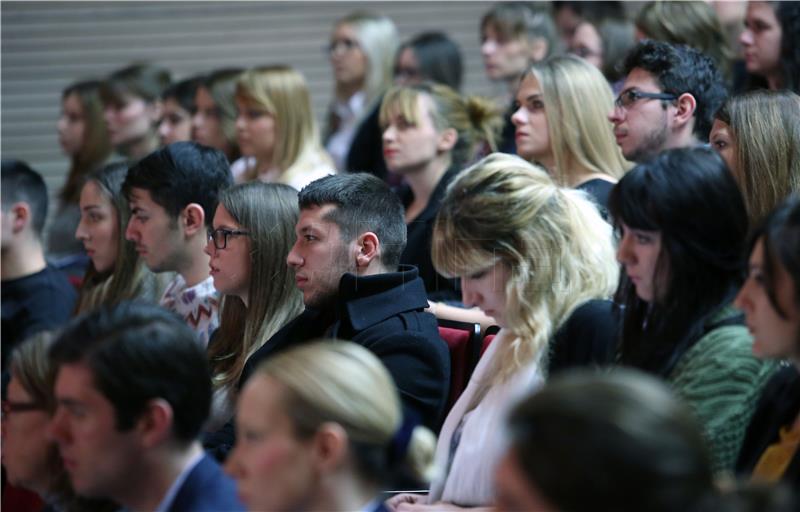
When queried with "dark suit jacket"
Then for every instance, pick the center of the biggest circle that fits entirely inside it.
(384, 313)
(366, 149)
(207, 489)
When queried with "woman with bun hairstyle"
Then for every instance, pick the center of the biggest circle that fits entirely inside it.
(430, 132)
(321, 427)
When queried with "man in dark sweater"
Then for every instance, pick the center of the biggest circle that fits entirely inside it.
(350, 235)
(35, 297)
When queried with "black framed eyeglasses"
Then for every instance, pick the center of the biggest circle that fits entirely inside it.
(10, 407)
(220, 236)
(631, 96)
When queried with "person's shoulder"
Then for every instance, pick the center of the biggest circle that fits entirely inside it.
(207, 489)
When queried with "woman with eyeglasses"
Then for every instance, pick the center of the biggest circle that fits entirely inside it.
(253, 231)
(682, 225)
(361, 52)
(561, 124)
(214, 120)
(30, 458)
(275, 127)
(770, 299)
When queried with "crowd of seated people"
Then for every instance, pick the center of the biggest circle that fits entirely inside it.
(233, 310)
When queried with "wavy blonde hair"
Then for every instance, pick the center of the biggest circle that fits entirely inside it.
(344, 383)
(475, 119)
(577, 99)
(557, 248)
(282, 92)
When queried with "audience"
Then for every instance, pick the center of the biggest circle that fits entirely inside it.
(561, 125)
(83, 138)
(35, 296)
(214, 120)
(178, 101)
(529, 254)
(514, 35)
(770, 299)
(688, 87)
(682, 225)
(250, 237)
(770, 42)
(350, 236)
(430, 132)
(758, 135)
(275, 127)
(132, 391)
(30, 457)
(171, 194)
(603, 38)
(115, 272)
(591, 441)
(132, 107)
(429, 57)
(361, 52)
(321, 428)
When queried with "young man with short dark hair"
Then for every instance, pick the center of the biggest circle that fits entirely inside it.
(173, 193)
(133, 391)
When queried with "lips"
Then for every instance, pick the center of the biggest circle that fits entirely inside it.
(387, 153)
(520, 135)
(300, 281)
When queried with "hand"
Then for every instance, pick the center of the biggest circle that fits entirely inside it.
(404, 498)
(439, 506)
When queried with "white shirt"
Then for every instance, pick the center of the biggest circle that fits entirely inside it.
(339, 142)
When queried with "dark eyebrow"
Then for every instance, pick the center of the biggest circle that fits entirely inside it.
(69, 402)
(534, 96)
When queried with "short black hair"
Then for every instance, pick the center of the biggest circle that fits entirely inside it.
(680, 69)
(20, 183)
(184, 93)
(180, 174)
(138, 352)
(364, 203)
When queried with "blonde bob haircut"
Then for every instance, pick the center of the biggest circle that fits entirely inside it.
(341, 382)
(473, 118)
(765, 127)
(378, 39)
(577, 99)
(557, 248)
(282, 92)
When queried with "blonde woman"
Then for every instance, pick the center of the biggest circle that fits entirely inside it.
(561, 124)
(531, 255)
(429, 133)
(321, 427)
(758, 135)
(275, 127)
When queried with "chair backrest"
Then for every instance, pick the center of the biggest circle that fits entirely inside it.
(463, 341)
(488, 336)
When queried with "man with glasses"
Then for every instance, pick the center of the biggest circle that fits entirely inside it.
(173, 193)
(667, 101)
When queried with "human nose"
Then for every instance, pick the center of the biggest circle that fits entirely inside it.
(616, 114)
(518, 118)
(57, 429)
(232, 465)
(624, 250)
(742, 300)
(81, 232)
(293, 259)
(488, 47)
(468, 295)
(209, 249)
(388, 134)
(131, 233)
(746, 37)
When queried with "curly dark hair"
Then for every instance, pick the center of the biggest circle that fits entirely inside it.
(682, 69)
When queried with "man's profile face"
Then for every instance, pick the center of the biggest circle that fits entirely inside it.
(98, 458)
(642, 128)
(157, 236)
(319, 256)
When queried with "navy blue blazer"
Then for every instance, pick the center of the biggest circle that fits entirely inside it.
(207, 489)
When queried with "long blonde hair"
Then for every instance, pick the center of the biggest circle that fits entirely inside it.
(557, 248)
(283, 93)
(765, 127)
(475, 119)
(344, 383)
(577, 99)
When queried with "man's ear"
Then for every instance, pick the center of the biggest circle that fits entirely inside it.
(685, 109)
(447, 140)
(329, 447)
(368, 247)
(193, 219)
(155, 423)
(21, 216)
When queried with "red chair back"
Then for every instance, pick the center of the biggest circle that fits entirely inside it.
(463, 341)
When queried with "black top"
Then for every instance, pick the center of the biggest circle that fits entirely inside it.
(41, 301)
(599, 189)
(384, 313)
(507, 142)
(777, 408)
(366, 149)
(587, 338)
(418, 247)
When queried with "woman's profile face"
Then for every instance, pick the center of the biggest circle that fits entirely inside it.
(207, 122)
(406, 68)
(407, 146)
(587, 44)
(774, 336)
(98, 228)
(486, 289)
(638, 252)
(255, 131)
(129, 121)
(26, 448)
(722, 142)
(175, 124)
(273, 468)
(530, 122)
(761, 39)
(230, 267)
(71, 125)
(348, 60)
